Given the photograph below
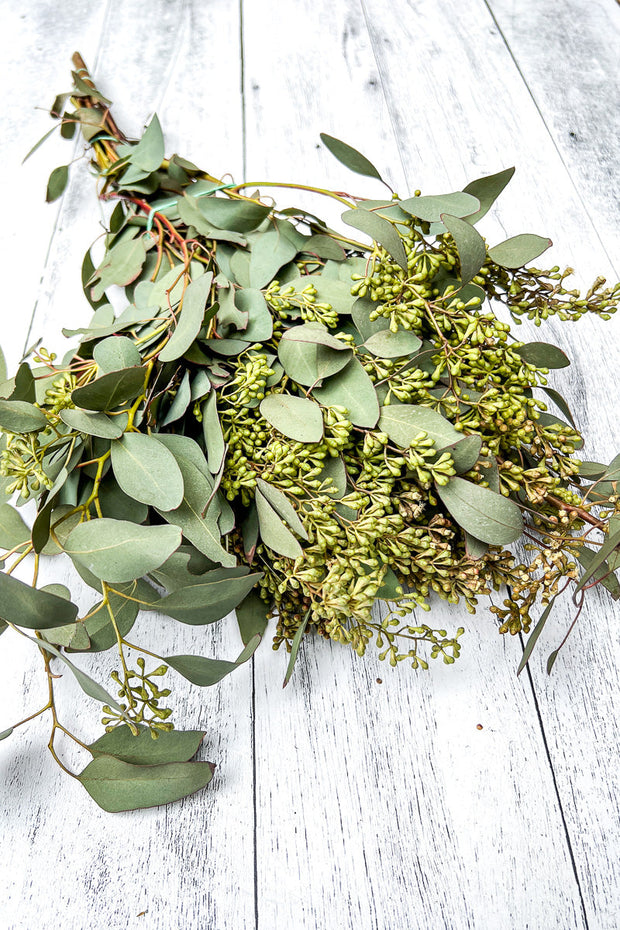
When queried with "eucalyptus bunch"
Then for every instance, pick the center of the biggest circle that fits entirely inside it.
(288, 422)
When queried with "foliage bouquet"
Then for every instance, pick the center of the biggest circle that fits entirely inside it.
(286, 421)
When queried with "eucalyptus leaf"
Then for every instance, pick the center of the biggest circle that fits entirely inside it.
(350, 157)
(519, 250)
(353, 389)
(430, 207)
(57, 183)
(298, 418)
(92, 424)
(115, 353)
(207, 672)
(18, 416)
(213, 596)
(487, 190)
(111, 390)
(190, 318)
(118, 786)
(116, 550)
(404, 422)
(252, 616)
(13, 530)
(543, 355)
(488, 516)
(469, 243)
(301, 629)
(269, 253)
(27, 607)
(386, 344)
(147, 471)
(122, 265)
(212, 432)
(379, 229)
(534, 635)
(273, 530)
(309, 353)
(282, 506)
(240, 215)
(142, 749)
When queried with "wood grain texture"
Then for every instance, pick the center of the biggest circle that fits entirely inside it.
(359, 804)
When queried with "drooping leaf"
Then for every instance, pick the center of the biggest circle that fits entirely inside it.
(93, 424)
(199, 527)
(475, 548)
(190, 318)
(295, 649)
(118, 786)
(487, 190)
(13, 530)
(603, 574)
(18, 416)
(519, 250)
(273, 530)
(116, 550)
(207, 672)
(115, 353)
(33, 609)
(212, 597)
(173, 746)
(212, 432)
(560, 403)
(592, 470)
(543, 355)
(379, 229)
(469, 243)
(534, 635)
(612, 542)
(6, 733)
(298, 418)
(147, 471)
(353, 389)
(111, 390)
(488, 516)
(57, 183)
(251, 617)
(282, 506)
(430, 207)
(350, 157)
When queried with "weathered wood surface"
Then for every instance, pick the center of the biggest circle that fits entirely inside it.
(339, 802)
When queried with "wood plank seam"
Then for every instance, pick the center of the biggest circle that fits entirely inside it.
(550, 134)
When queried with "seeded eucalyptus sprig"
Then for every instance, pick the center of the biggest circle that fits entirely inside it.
(289, 422)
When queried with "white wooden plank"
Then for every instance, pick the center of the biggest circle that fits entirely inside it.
(383, 805)
(579, 734)
(191, 865)
(573, 74)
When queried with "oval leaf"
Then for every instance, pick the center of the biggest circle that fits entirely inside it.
(274, 532)
(93, 424)
(487, 190)
(118, 786)
(147, 471)
(309, 353)
(483, 513)
(403, 422)
(111, 390)
(116, 353)
(298, 418)
(207, 672)
(518, 250)
(35, 610)
(543, 355)
(57, 182)
(379, 229)
(386, 344)
(210, 599)
(353, 389)
(429, 208)
(115, 550)
(174, 746)
(18, 416)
